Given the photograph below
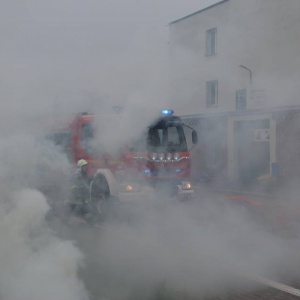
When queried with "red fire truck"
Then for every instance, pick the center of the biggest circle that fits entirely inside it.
(159, 157)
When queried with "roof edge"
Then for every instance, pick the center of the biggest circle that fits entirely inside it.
(252, 111)
(199, 11)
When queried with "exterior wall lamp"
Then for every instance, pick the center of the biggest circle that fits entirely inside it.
(250, 73)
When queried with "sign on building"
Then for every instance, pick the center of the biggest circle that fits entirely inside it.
(262, 135)
(258, 96)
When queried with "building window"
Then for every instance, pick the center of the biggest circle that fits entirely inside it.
(212, 93)
(241, 99)
(211, 41)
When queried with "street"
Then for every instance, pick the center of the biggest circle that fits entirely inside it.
(209, 247)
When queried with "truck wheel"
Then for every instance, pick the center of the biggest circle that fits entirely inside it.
(104, 203)
(100, 194)
(100, 187)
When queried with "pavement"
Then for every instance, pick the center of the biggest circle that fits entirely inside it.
(269, 192)
(281, 205)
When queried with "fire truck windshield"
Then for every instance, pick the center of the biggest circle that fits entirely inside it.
(166, 139)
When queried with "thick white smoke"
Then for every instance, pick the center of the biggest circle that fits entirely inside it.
(35, 264)
(202, 248)
(72, 56)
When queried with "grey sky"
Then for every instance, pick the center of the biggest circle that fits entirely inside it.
(62, 51)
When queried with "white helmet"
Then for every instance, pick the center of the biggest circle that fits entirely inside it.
(81, 163)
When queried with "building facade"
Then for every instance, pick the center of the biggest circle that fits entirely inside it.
(234, 73)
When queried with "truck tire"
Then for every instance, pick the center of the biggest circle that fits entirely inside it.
(100, 193)
(101, 198)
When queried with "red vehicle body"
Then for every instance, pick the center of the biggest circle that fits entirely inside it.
(159, 155)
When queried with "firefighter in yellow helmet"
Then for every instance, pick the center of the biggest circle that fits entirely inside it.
(79, 201)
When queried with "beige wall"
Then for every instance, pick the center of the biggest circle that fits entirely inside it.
(263, 35)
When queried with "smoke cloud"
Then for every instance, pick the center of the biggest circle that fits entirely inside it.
(35, 263)
(202, 248)
(63, 58)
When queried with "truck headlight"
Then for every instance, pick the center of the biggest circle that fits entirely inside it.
(169, 156)
(130, 188)
(176, 155)
(161, 156)
(154, 156)
(186, 185)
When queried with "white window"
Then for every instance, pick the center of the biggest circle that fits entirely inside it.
(212, 93)
(211, 41)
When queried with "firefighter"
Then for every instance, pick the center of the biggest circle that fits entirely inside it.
(79, 203)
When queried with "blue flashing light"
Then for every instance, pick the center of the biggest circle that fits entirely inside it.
(147, 171)
(178, 170)
(167, 112)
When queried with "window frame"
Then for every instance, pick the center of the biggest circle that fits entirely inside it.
(87, 135)
(211, 41)
(212, 93)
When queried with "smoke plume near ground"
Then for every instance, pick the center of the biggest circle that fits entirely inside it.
(197, 248)
(74, 56)
(35, 264)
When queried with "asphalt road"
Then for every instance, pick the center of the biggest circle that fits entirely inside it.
(212, 247)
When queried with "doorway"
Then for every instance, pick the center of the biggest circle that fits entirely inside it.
(252, 149)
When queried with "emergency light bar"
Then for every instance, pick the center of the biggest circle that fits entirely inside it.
(167, 112)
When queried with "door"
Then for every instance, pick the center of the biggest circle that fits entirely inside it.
(252, 142)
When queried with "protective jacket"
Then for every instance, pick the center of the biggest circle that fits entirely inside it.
(79, 201)
(80, 189)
